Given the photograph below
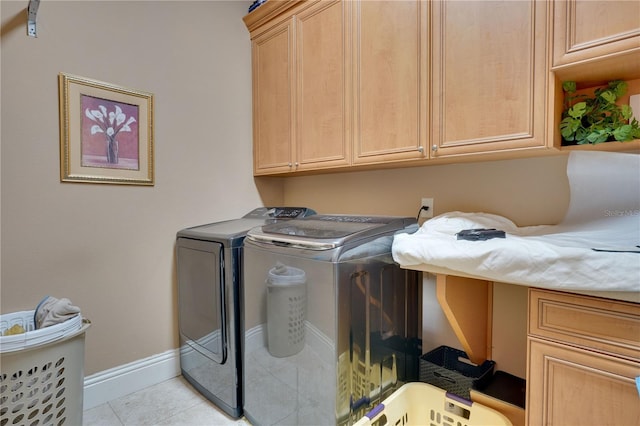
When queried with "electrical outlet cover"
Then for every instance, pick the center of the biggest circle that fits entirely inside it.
(426, 202)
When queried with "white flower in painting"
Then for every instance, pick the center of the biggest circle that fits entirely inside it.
(96, 129)
(126, 127)
(95, 115)
(117, 116)
(117, 122)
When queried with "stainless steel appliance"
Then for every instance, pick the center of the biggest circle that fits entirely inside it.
(209, 277)
(332, 325)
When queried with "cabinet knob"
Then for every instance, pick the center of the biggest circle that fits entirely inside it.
(420, 149)
(296, 164)
(290, 165)
(434, 148)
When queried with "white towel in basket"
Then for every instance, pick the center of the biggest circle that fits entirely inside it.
(51, 311)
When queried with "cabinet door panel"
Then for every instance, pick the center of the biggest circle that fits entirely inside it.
(321, 126)
(594, 29)
(604, 325)
(273, 75)
(489, 85)
(568, 386)
(390, 72)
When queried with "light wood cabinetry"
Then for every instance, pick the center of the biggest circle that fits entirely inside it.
(390, 74)
(273, 98)
(588, 30)
(300, 112)
(583, 357)
(356, 83)
(334, 80)
(344, 84)
(489, 76)
(322, 130)
(594, 42)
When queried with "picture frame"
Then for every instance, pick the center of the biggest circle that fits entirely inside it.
(106, 132)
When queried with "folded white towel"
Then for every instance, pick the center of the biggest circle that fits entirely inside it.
(52, 311)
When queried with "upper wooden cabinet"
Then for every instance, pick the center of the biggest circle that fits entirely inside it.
(299, 71)
(390, 75)
(339, 84)
(273, 99)
(489, 76)
(588, 29)
(322, 131)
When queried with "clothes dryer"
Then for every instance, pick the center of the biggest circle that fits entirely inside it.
(209, 279)
(332, 325)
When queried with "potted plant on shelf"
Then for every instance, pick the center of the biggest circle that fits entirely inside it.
(597, 119)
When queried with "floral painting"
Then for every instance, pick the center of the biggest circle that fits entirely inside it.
(106, 132)
(109, 134)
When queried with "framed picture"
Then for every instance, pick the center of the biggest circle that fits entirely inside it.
(106, 132)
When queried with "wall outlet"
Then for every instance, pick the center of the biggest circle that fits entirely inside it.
(426, 213)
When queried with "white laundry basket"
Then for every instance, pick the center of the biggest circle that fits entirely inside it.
(43, 383)
(286, 310)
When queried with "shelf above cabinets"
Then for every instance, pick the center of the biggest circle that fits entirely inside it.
(594, 42)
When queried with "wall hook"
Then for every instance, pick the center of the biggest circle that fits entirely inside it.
(32, 11)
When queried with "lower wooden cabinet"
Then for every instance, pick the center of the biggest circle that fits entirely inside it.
(578, 373)
(571, 386)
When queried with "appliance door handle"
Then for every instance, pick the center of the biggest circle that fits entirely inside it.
(223, 308)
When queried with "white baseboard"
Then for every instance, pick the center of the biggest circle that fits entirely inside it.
(125, 379)
(128, 378)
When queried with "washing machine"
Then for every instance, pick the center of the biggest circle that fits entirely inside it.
(208, 259)
(332, 325)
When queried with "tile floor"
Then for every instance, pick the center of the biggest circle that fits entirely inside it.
(173, 402)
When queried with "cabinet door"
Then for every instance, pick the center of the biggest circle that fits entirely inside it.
(322, 127)
(273, 66)
(489, 76)
(390, 61)
(569, 386)
(591, 29)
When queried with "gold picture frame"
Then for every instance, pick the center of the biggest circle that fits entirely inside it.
(106, 132)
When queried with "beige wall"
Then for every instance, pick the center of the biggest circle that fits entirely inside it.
(109, 248)
(529, 191)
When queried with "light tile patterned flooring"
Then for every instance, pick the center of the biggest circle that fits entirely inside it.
(173, 402)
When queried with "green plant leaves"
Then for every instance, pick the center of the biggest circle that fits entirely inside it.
(568, 127)
(569, 86)
(609, 96)
(623, 133)
(597, 119)
(597, 136)
(578, 110)
(619, 87)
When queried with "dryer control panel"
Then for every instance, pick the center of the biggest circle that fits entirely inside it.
(279, 212)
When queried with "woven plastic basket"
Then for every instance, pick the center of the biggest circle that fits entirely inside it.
(419, 403)
(43, 384)
(33, 337)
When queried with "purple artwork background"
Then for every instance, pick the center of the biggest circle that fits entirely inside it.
(95, 145)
